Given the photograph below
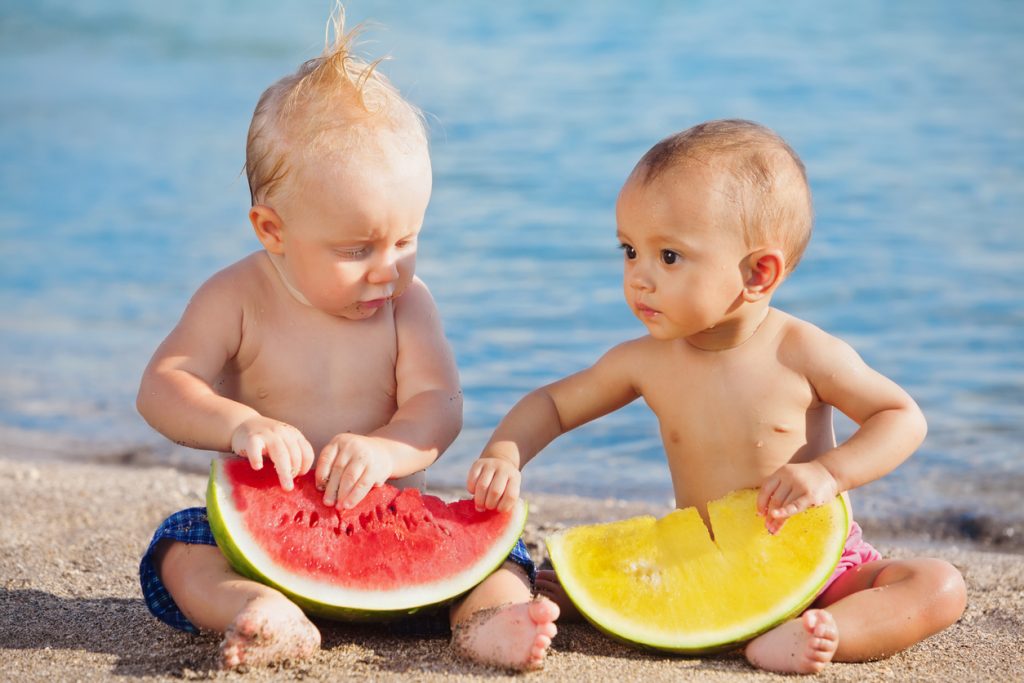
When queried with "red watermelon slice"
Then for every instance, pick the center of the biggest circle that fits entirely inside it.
(394, 554)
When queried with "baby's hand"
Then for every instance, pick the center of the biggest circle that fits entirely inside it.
(792, 489)
(287, 448)
(494, 484)
(349, 466)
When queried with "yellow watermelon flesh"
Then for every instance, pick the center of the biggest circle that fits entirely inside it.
(665, 584)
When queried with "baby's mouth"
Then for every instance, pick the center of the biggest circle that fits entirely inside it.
(645, 310)
(379, 301)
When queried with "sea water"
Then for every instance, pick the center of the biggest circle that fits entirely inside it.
(122, 131)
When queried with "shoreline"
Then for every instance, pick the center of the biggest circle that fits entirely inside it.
(989, 519)
(72, 535)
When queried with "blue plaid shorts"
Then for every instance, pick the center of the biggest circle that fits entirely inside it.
(191, 526)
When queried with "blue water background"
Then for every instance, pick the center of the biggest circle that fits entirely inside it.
(122, 129)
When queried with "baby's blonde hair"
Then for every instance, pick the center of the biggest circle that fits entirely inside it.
(332, 104)
(766, 179)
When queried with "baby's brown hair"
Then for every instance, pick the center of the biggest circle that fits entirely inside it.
(334, 103)
(766, 179)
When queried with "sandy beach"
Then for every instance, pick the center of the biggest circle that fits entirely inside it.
(71, 608)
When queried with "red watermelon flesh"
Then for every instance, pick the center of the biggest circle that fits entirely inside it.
(379, 544)
(394, 553)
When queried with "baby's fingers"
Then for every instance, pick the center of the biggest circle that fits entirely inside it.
(764, 495)
(306, 455)
(324, 466)
(349, 481)
(340, 479)
(472, 476)
(482, 487)
(547, 582)
(511, 494)
(281, 456)
(779, 499)
(349, 496)
(790, 508)
(293, 447)
(496, 491)
(779, 515)
(253, 451)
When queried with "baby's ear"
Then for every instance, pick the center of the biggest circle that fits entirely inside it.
(268, 226)
(764, 271)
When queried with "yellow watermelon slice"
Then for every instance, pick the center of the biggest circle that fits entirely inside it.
(393, 554)
(665, 584)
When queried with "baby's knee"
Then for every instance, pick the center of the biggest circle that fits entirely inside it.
(951, 585)
(944, 588)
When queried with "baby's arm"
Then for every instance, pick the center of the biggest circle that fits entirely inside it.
(428, 418)
(891, 427)
(543, 415)
(176, 397)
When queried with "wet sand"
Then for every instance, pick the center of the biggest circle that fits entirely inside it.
(71, 535)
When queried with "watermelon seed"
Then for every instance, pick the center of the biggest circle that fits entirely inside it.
(349, 530)
(392, 508)
(314, 519)
(299, 515)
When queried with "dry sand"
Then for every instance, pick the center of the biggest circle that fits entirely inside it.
(70, 607)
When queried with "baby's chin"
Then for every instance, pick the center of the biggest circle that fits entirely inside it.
(358, 312)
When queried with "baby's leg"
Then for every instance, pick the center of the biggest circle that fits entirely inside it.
(260, 625)
(550, 587)
(879, 608)
(500, 624)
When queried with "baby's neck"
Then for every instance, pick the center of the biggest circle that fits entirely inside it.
(729, 336)
(275, 260)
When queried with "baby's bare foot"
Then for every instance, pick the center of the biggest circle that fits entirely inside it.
(550, 587)
(510, 636)
(268, 631)
(800, 646)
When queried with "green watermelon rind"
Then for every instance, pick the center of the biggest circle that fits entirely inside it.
(555, 552)
(465, 581)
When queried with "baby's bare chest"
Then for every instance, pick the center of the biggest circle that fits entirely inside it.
(741, 408)
(321, 374)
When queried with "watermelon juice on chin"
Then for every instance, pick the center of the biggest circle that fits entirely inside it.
(395, 553)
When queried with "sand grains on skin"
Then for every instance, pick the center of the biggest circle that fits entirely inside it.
(512, 636)
(804, 645)
(257, 638)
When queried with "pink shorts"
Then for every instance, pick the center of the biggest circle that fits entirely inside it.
(856, 552)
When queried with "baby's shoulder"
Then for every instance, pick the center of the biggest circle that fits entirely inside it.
(243, 280)
(416, 295)
(636, 352)
(804, 344)
(415, 307)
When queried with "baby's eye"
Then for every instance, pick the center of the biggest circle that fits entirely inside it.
(630, 251)
(668, 256)
(353, 253)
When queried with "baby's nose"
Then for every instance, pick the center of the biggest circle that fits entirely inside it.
(639, 278)
(384, 269)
